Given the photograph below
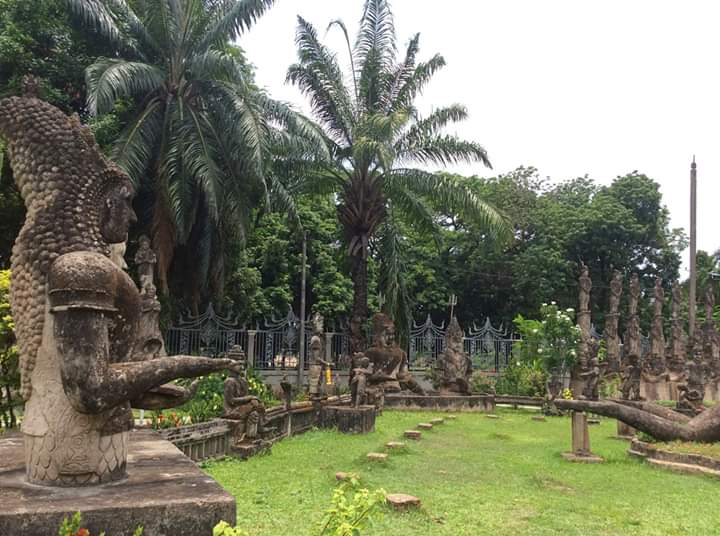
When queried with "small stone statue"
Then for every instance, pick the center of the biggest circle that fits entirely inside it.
(592, 380)
(585, 287)
(76, 311)
(358, 384)
(631, 374)
(692, 392)
(287, 390)
(317, 364)
(389, 361)
(455, 364)
(150, 337)
(239, 404)
(145, 260)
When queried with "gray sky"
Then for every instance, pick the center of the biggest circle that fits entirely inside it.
(571, 87)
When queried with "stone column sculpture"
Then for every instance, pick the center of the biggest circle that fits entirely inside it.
(455, 366)
(676, 360)
(317, 363)
(583, 316)
(149, 334)
(654, 374)
(612, 338)
(76, 312)
(632, 333)
(711, 345)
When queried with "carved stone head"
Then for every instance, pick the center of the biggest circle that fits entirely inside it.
(117, 214)
(383, 330)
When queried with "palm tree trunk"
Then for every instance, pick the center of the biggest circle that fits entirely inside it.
(359, 275)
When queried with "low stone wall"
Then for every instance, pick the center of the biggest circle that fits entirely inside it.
(668, 390)
(481, 403)
(214, 439)
(676, 461)
(519, 400)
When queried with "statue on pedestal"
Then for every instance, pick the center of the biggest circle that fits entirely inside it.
(592, 379)
(76, 312)
(239, 405)
(316, 385)
(149, 329)
(612, 338)
(389, 361)
(631, 375)
(455, 366)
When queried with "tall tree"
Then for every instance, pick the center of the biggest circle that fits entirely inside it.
(375, 132)
(198, 142)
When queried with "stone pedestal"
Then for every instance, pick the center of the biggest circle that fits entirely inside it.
(580, 441)
(625, 431)
(165, 492)
(349, 420)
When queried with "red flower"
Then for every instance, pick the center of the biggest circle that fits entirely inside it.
(82, 532)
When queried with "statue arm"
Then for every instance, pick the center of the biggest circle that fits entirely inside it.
(93, 384)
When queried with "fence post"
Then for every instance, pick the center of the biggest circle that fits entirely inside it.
(328, 347)
(251, 347)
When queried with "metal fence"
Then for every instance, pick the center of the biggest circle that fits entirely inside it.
(275, 343)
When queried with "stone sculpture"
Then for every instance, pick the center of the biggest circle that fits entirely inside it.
(454, 364)
(592, 379)
(692, 392)
(632, 334)
(583, 317)
(710, 336)
(389, 361)
(358, 384)
(612, 339)
(239, 404)
(317, 364)
(76, 312)
(149, 327)
(631, 375)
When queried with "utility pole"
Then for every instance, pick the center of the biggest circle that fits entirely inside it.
(301, 361)
(693, 250)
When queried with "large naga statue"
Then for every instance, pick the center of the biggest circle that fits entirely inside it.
(76, 312)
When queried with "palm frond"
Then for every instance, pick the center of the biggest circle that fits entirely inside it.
(443, 150)
(403, 72)
(319, 76)
(340, 24)
(430, 126)
(234, 19)
(111, 79)
(452, 196)
(414, 210)
(376, 35)
(94, 14)
(392, 283)
(415, 83)
(135, 148)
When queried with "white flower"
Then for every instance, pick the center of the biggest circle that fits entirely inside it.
(539, 350)
(535, 330)
(570, 310)
(572, 353)
(553, 303)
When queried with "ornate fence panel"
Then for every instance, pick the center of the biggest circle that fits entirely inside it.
(427, 342)
(208, 334)
(489, 348)
(274, 345)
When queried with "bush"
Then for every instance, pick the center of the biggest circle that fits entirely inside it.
(481, 382)
(9, 358)
(523, 379)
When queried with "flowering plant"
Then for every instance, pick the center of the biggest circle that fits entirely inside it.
(553, 339)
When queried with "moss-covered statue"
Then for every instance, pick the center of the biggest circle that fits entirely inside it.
(83, 364)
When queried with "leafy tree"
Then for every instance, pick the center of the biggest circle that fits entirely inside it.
(202, 132)
(375, 132)
(9, 358)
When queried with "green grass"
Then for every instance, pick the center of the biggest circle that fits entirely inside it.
(475, 476)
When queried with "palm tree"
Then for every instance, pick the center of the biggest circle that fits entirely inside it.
(375, 133)
(202, 132)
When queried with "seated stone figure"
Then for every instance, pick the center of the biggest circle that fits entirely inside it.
(455, 366)
(316, 380)
(389, 361)
(239, 404)
(76, 312)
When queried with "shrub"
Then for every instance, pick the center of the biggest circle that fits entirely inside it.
(9, 357)
(553, 340)
(481, 382)
(523, 379)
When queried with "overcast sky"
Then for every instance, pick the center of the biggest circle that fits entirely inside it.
(570, 87)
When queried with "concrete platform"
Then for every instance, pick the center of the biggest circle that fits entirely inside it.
(165, 492)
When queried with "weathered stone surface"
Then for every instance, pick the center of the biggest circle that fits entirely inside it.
(349, 420)
(394, 445)
(342, 476)
(413, 434)
(84, 357)
(480, 403)
(675, 461)
(625, 431)
(454, 364)
(437, 421)
(582, 458)
(425, 426)
(401, 501)
(377, 456)
(165, 492)
(492, 416)
(580, 441)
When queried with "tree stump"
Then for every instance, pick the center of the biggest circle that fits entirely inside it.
(401, 501)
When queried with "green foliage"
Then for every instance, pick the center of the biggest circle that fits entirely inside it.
(523, 378)
(72, 526)
(553, 339)
(481, 382)
(9, 357)
(224, 529)
(352, 508)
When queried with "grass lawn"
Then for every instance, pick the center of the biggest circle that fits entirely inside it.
(475, 476)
